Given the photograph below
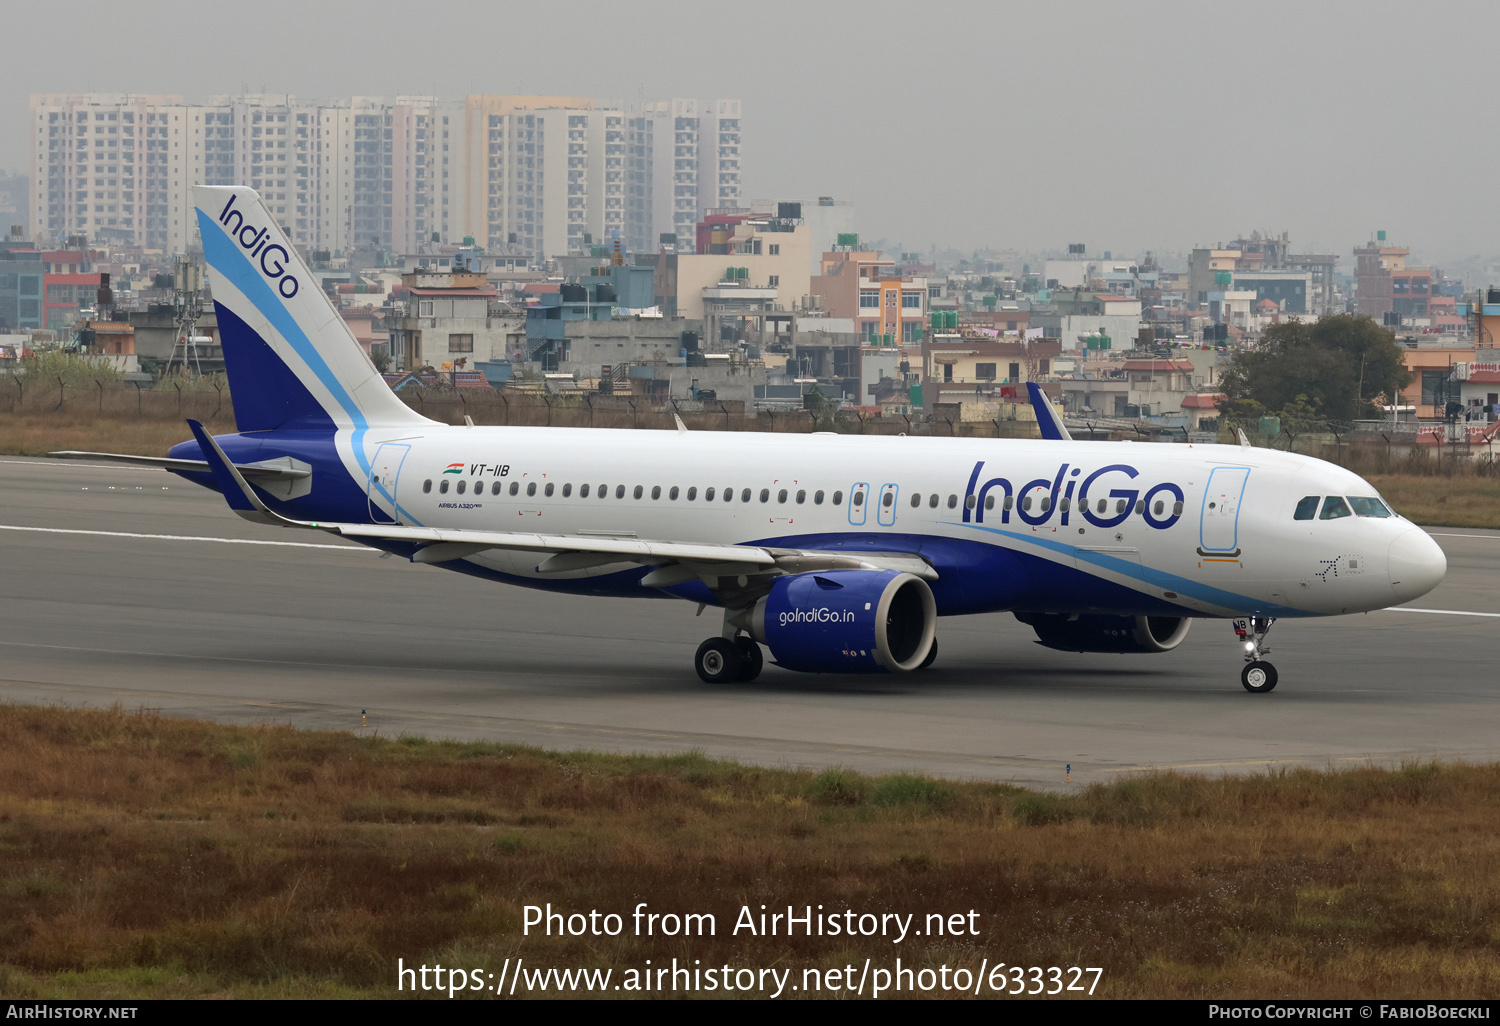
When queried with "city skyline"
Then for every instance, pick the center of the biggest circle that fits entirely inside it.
(972, 126)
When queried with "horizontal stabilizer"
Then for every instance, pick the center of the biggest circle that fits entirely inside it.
(250, 470)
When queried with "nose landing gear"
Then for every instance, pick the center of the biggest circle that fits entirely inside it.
(1258, 676)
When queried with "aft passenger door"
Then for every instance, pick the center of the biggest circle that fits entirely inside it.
(385, 470)
(1219, 522)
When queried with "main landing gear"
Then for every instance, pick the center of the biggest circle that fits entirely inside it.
(728, 661)
(1258, 676)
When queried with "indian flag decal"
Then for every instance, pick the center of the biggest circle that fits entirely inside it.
(454, 468)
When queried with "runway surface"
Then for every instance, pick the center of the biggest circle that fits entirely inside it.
(130, 586)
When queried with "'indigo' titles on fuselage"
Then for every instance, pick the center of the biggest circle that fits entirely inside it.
(1056, 496)
(273, 258)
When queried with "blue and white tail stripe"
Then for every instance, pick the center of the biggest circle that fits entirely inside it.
(281, 378)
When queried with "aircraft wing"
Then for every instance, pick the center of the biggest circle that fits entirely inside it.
(676, 562)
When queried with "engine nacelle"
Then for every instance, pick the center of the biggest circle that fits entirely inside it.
(1107, 633)
(847, 621)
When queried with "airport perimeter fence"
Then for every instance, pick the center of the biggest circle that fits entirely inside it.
(209, 400)
(77, 398)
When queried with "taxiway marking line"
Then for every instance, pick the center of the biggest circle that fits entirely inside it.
(64, 464)
(1449, 612)
(186, 537)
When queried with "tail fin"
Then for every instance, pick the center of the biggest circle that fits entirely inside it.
(291, 359)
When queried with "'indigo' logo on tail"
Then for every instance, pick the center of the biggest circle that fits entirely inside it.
(273, 259)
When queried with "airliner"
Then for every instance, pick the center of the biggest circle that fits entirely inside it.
(833, 553)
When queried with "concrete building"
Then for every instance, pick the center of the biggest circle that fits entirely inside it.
(546, 173)
(683, 161)
(766, 265)
(1385, 286)
(868, 290)
(448, 322)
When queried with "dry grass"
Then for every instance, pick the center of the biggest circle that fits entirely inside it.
(146, 856)
(33, 434)
(1459, 501)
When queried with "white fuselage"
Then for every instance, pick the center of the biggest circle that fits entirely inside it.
(1227, 546)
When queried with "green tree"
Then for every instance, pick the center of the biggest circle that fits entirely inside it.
(1342, 366)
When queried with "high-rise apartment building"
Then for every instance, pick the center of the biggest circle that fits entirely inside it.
(540, 175)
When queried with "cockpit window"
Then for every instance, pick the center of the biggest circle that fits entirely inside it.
(1334, 507)
(1369, 506)
(1307, 508)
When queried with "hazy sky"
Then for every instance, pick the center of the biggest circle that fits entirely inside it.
(1127, 126)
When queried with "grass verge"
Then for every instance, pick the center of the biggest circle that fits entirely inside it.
(1459, 501)
(144, 856)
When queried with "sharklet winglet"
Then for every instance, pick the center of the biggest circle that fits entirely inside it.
(1047, 417)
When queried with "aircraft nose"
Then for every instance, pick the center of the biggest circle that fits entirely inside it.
(1416, 564)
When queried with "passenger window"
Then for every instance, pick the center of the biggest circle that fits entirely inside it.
(1102, 504)
(426, 486)
(859, 499)
(604, 491)
(971, 501)
(619, 491)
(1369, 506)
(515, 487)
(932, 500)
(916, 499)
(729, 495)
(1119, 505)
(838, 498)
(567, 490)
(655, 492)
(1177, 509)
(673, 494)
(639, 491)
(495, 488)
(1307, 507)
(818, 498)
(1026, 504)
(1010, 502)
(953, 502)
(583, 491)
(443, 487)
(462, 484)
(887, 500)
(1046, 503)
(1157, 509)
(781, 495)
(708, 495)
(1140, 506)
(744, 495)
(801, 496)
(548, 490)
(1334, 508)
(693, 494)
(1066, 503)
(531, 488)
(765, 495)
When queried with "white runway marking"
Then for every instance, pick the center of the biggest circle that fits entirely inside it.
(1450, 612)
(1477, 537)
(190, 538)
(75, 465)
